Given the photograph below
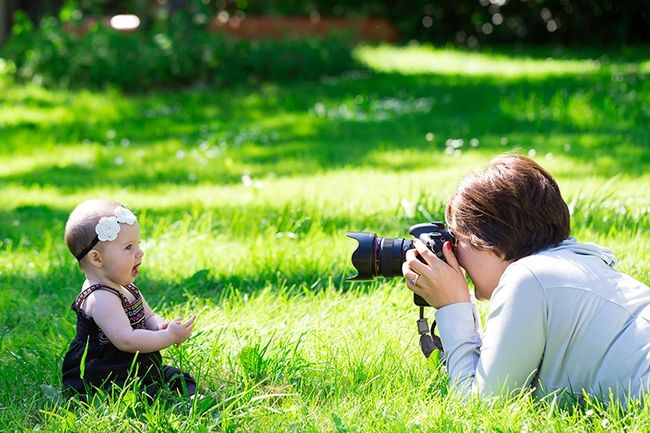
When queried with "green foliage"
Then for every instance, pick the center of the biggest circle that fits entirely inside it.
(464, 22)
(178, 55)
(244, 196)
(473, 22)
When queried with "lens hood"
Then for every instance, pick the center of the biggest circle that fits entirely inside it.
(363, 256)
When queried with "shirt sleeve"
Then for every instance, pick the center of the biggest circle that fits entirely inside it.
(458, 325)
(508, 355)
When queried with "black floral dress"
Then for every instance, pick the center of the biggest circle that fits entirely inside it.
(104, 364)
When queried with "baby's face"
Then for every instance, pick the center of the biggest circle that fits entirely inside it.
(121, 258)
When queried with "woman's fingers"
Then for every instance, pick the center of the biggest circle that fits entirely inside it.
(425, 252)
(450, 257)
(414, 262)
(439, 282)
(432, 263)
(410, 277)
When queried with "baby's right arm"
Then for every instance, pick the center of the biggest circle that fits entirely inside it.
(109, 315)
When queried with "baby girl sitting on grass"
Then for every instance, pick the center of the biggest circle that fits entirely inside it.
(118, 335)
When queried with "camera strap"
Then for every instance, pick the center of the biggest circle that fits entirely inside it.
(428, 340)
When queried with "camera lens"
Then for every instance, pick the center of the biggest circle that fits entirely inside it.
(377, 256)
(364, 258)
(392, 253)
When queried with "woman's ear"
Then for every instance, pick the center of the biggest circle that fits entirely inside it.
(94, 258)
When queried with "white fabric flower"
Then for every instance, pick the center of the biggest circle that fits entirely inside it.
(125, 216)
(107, 229)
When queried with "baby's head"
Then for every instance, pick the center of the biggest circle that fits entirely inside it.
(93, 221)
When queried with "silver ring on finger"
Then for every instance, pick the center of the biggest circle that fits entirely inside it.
(414, 281)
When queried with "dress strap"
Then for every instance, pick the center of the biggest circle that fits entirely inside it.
(76, 305)
(133, 289)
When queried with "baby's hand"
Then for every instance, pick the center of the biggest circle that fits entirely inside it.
(180, 330)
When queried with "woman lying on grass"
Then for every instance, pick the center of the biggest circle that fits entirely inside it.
(561, 318)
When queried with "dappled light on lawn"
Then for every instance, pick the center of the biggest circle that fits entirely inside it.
(424, 59)
(244, 196)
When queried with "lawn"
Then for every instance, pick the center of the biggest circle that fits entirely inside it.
(244, 196)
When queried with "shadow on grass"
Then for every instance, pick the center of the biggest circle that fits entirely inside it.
(212, 137)
(40, 228)
(34, 223)
(42, 300)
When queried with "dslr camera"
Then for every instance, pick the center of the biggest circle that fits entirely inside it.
(377, 256)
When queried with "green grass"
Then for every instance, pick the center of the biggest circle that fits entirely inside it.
(244, 196)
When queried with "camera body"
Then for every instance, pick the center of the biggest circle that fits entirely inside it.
(381, 256)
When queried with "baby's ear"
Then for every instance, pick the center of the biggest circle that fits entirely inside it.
(94, 258)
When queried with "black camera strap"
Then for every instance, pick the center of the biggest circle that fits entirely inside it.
(428, 340)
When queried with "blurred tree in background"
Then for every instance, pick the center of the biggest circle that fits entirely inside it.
(442, 21)
(471, 22)
(68, 42)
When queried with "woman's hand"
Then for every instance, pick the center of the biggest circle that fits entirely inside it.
(439, 283)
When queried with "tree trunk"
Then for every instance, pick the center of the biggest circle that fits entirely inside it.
(4, 21)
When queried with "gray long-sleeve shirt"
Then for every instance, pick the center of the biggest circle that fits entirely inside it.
(560, 319)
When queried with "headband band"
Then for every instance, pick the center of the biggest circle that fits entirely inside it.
(108, 227)
(86, 250)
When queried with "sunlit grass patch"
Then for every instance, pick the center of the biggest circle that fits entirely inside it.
(244, 197)
(422, 59)
(33, 105)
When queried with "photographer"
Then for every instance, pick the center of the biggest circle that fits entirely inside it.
(561, 318)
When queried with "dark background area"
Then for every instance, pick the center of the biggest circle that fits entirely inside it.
(464, 22)
(181, 43)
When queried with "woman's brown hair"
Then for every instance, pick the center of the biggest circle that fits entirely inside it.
(513, 208)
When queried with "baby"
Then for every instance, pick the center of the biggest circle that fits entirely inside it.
(118, 335)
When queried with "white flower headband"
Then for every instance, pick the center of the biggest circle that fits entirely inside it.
(108, 227)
